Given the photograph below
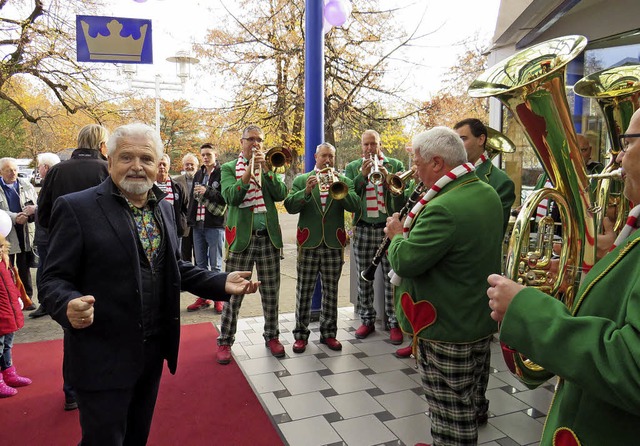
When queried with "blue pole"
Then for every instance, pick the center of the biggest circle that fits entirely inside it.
(314, 99)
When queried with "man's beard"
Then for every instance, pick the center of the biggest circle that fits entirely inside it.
(189, 174)
(135, 187)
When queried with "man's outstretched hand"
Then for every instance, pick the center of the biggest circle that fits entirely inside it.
(238, 283)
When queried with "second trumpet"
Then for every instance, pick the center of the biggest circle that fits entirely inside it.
(328, 182)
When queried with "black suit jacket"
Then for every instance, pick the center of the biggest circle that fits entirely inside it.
(93, 251)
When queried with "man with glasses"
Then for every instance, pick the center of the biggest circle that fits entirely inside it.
(253, 236)
(593, 346)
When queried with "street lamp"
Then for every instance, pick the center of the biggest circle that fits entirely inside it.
(183, 70)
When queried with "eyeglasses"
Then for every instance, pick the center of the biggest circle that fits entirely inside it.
(253, 139)
(624, 140)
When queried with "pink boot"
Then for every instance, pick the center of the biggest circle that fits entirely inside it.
(11, 378)
(5, 390)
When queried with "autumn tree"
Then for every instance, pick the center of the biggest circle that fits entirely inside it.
(260, 54)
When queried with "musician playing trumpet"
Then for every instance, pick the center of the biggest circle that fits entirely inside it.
(376, 204)
(321, 238)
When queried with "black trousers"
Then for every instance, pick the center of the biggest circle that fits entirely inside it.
(117, 417)
(186, 248)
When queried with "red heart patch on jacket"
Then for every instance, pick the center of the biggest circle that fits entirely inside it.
(565, 437)
(302, 235)
(420, 314)
(342, 236)
(230, 234)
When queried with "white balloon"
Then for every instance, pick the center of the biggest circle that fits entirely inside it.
(5, 223)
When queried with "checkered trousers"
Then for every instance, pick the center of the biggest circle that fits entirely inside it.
(311, 261)
(450, 373)
(266, 258)
(366, 241)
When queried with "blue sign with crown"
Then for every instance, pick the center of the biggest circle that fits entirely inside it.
(113, 39)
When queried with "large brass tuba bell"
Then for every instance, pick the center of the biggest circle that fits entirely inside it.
(498, 143)
(531, 84)
(617, 92)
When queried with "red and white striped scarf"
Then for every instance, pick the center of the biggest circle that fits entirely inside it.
(167, 189)
(543, 206)
(375, 198)
(632, 221)
(482, 159)
(253, 198)
(447, 178)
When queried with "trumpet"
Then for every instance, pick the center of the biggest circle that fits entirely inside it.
(277, 159)
(398, 181)
(328, 182)
(376, 177)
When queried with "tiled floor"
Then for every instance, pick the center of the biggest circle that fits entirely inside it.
(364, 395)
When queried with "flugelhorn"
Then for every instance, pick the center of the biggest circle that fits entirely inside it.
(329, 182)
(376, 177)
(397, 182)
(531, 84)
(369, 273)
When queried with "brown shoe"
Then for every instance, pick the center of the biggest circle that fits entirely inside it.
(223, 356)
(332, 343)
(276, 347)
(365, 330)
(299, 346)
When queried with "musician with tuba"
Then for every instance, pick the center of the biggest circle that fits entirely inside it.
(321, 198)
(593, 345)
(376, 204)
(253, 237)
(440, 254)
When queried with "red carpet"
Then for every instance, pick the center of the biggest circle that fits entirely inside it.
(203, 404)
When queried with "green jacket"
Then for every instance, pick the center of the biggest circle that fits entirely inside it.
(453, 245)
(314, 225)
(240, 220)
(501, 182)
(594, 349)
(392, 203)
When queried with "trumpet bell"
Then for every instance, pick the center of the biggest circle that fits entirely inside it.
(338, 190)
(397, 182)
(278, 159)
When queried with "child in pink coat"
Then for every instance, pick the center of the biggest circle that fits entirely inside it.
(11, 320)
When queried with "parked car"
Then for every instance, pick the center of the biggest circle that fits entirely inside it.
(27, 174)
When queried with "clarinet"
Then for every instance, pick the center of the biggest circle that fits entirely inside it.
(369, 273)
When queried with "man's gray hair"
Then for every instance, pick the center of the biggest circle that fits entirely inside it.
(133, 130)
(48, 159)
(190, 155)
(442, 142)
(325, 145)
(6, 160)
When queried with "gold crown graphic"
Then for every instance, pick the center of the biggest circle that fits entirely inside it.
(113, 46)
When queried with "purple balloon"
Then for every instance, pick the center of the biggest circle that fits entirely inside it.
(335, 12)
(139, 1)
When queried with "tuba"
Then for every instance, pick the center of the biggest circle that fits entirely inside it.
(617, 92)
(498, 143)
(531, 84)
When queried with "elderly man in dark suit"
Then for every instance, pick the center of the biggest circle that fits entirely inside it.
(112, 280)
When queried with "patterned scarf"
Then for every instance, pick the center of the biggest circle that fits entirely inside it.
(323, 194)
(375, 198)
(632, 221)
(253, 198)
(482, 159)
(447, 178)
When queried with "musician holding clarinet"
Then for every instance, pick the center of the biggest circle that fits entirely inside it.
(376, 204)
(440, 254)
(321, 198)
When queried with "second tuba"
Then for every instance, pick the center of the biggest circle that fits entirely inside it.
(617, 92)
(531, 84)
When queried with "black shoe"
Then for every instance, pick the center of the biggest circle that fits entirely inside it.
(29, 308)
(38, 313)
(70, 404)
(482, 418)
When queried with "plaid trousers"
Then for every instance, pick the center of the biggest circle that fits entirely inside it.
(266, 258)
(328, 263)
(366, 241)
(450, 374)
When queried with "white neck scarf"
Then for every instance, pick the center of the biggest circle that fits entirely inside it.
(375, 198)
